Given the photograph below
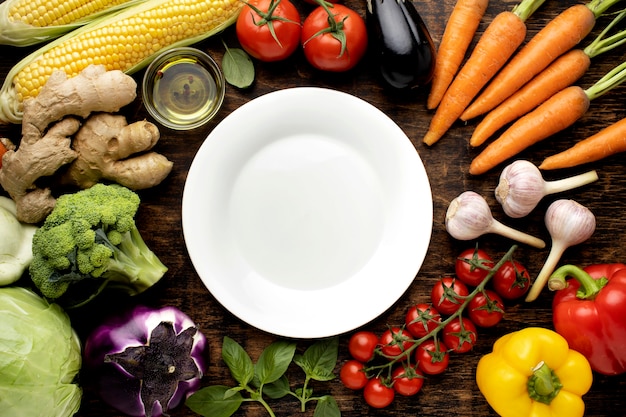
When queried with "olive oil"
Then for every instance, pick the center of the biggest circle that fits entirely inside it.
(184, 91)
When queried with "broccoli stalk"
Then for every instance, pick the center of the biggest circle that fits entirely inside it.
(90, 242)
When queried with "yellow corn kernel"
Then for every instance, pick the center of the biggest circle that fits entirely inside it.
(126, 41)
(41, 13)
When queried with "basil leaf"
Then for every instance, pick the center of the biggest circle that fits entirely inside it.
(320, 359)
(238, 361)
(238, 68)
(212, 402)
(273, 362)
(327, 407)
(277, 389)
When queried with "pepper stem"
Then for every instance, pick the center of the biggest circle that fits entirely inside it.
(543, 385)
(589, 287)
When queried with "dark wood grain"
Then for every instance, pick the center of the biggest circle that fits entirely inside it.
(455, 392)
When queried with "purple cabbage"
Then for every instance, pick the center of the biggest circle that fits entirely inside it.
(147, 361)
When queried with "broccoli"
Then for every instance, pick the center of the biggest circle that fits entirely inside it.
(90, 241)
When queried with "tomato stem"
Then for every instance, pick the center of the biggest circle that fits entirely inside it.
(406, 354)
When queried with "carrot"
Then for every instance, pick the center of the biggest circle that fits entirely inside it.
(503, 36)
(609, 141)
(559, 36)
(562, 73)
(553, 115)
(457, 36)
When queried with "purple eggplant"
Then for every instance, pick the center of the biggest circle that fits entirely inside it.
(147, 361)
(401, 44)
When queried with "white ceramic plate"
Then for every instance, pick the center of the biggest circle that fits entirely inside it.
(307, 212)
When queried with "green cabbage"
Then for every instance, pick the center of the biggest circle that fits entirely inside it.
(40, 357)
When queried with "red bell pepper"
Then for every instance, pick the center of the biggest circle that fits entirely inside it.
(589, 311)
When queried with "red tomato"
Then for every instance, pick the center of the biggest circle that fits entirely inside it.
(254, 24)
(470, 264)
(321, 38)
(422, 319)
(486, 309)
(352, 375)
(432, 358)
(407, 381)
(447, 295)
(460, 335)
(362, 345)
(395, 341)
(377, 394)
(511, 281)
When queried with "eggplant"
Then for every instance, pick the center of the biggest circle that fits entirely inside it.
(146, 361)
(401, 44)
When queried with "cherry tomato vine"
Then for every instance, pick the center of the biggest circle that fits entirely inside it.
(396, 362)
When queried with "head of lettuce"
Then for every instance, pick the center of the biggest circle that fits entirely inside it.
(40, 357)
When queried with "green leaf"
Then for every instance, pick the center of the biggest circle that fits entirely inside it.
(327, 407)
(212, 402)
(277, 389)
(238, 68)
(274, 361)
(320, 359)
(238, 361)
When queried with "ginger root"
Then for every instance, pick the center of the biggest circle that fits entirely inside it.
(106, 146)
(43, 149)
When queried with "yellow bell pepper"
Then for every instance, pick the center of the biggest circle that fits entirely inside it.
(534, 373)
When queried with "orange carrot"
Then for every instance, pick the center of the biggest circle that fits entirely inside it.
(555, 114)
(562, 73)
(609, 141)
(503, 36)
(460, 29)
(559, 36)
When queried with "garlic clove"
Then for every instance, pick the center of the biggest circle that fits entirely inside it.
(521, 187)
(569, 223)
(469, 216)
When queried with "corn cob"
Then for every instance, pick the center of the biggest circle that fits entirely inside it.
(126, 41)
(28, 22)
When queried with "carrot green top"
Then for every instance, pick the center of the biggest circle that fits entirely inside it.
(526, 8)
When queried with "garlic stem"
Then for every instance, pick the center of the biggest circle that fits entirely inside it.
(569, 223)
(469, 217)
(507, 231)
(565, 184)
(556, 252)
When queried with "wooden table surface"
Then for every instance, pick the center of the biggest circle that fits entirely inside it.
(455, 392)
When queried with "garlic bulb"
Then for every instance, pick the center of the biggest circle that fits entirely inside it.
(469, 217)
(569, 224)
(522, 186)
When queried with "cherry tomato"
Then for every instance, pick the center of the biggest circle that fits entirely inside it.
(352, 375)
(470, 264)
(486, 309)
(362, 345)
(422, 319)
(460, 335)
(321, 38)
(407, 381)
(447, 295)
(377, 394)
(511, 281)
(432, 357)
(254, 29)
(395, 341)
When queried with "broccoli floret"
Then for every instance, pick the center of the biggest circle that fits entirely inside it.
(90, 241)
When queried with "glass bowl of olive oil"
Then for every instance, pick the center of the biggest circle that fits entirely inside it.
(183, 88)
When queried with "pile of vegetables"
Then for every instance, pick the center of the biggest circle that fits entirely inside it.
(146, 361)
